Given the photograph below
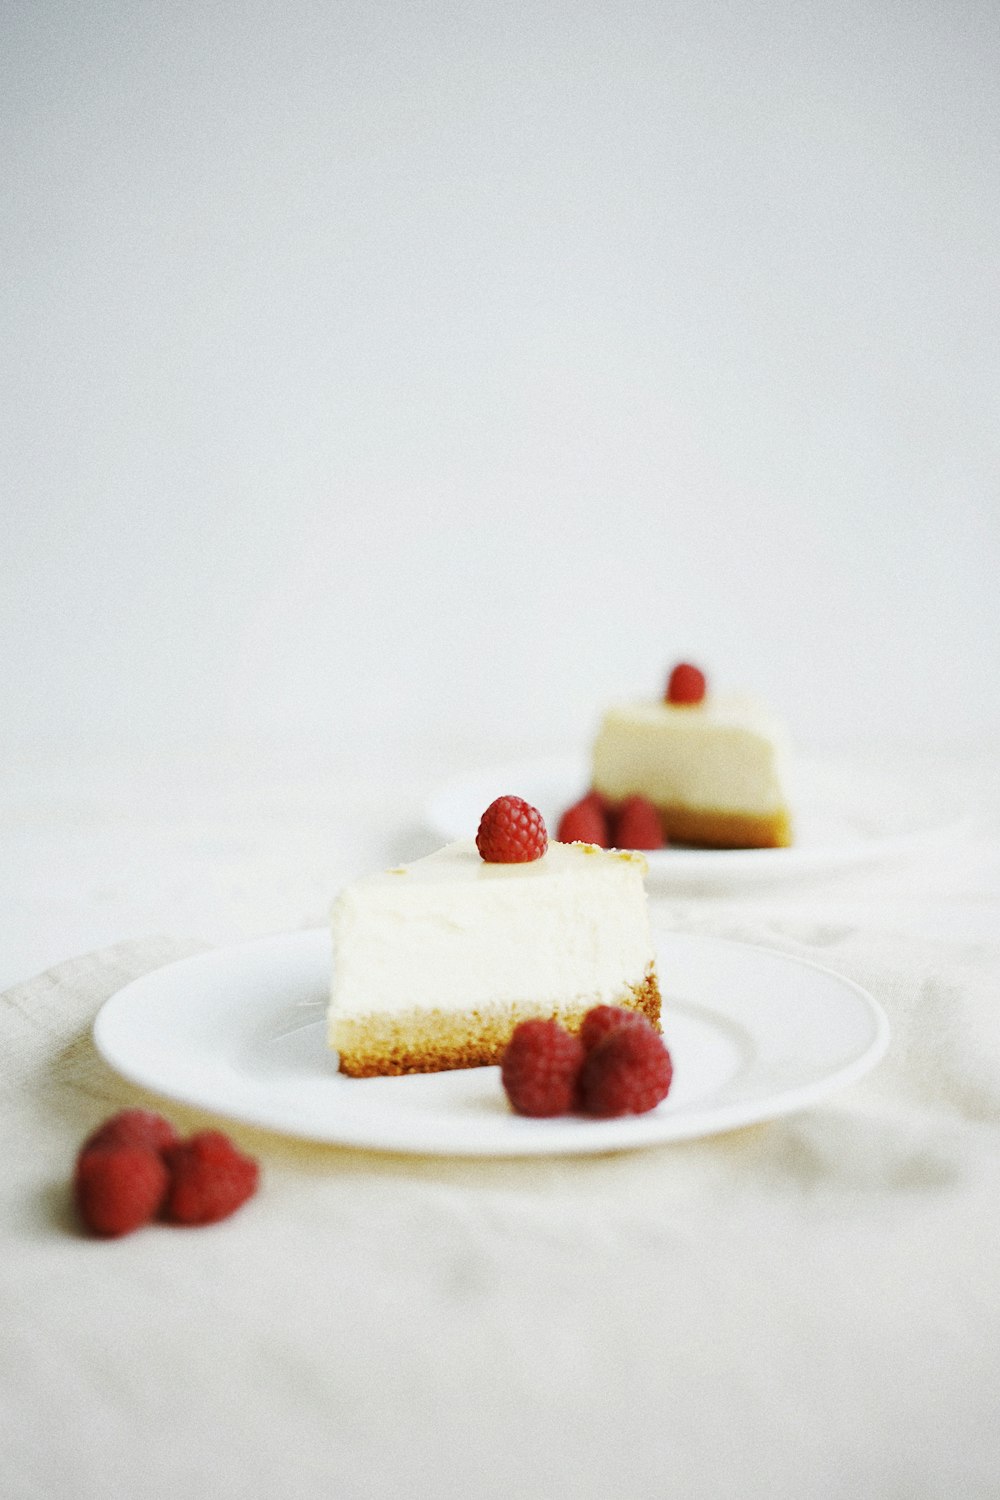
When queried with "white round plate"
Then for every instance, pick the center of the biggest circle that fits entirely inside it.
(826, 836)
(241, 1031)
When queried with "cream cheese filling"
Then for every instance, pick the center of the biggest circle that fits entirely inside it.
(453, 933)
(726, 755)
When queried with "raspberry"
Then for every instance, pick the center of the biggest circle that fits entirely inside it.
(539, 1068)
(686, 684)
(637, 825)
(599, 800)
(209, 1179)
(601, 1020)
(511, 832)
(133, 1127)
(118, 1187)
(627, 1073)
(584, 823)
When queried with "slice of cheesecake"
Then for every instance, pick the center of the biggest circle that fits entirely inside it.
(435, 963)
(714, 769)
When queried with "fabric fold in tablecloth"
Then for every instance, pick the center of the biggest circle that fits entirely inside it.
(803, 1308)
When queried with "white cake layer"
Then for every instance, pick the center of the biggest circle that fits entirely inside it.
(451, 932)
(727, 754)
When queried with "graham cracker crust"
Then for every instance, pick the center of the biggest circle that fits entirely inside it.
(708, 829)
(419, 1041)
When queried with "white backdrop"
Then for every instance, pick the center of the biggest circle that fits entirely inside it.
(382, 373)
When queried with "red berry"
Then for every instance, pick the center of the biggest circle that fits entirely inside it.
(601, 1020)
(118, 1188)
(599, 800)
(686, 684)
(133, 1127)
(584, 823)
(539, 1068)
(209, 1179)
(637, 825)
(511, 832)
(627, 1073)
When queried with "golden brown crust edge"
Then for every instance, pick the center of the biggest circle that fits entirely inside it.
(709, 829)
(415, 1041)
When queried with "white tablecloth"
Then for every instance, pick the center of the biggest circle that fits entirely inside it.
(804, 1308)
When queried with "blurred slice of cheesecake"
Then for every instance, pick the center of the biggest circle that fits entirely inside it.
(714, 766)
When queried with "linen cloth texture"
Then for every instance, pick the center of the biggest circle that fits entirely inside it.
(805, 1308)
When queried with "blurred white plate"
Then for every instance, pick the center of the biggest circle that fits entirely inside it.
(241, 1031)
(827, 837)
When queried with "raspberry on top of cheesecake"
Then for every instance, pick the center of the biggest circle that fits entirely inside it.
(714, 766)
(437, 961)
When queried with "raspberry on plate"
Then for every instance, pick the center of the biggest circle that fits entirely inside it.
(511, 832)
(133, 1127)
(637, 825)
(209, 1179)
(599, 800)
(601, 1020)
(627, 1073)
(539, 1068)
(686, 684)
(118, 1187)
(585, 822)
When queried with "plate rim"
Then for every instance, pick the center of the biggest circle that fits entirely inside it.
(529, 1138)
